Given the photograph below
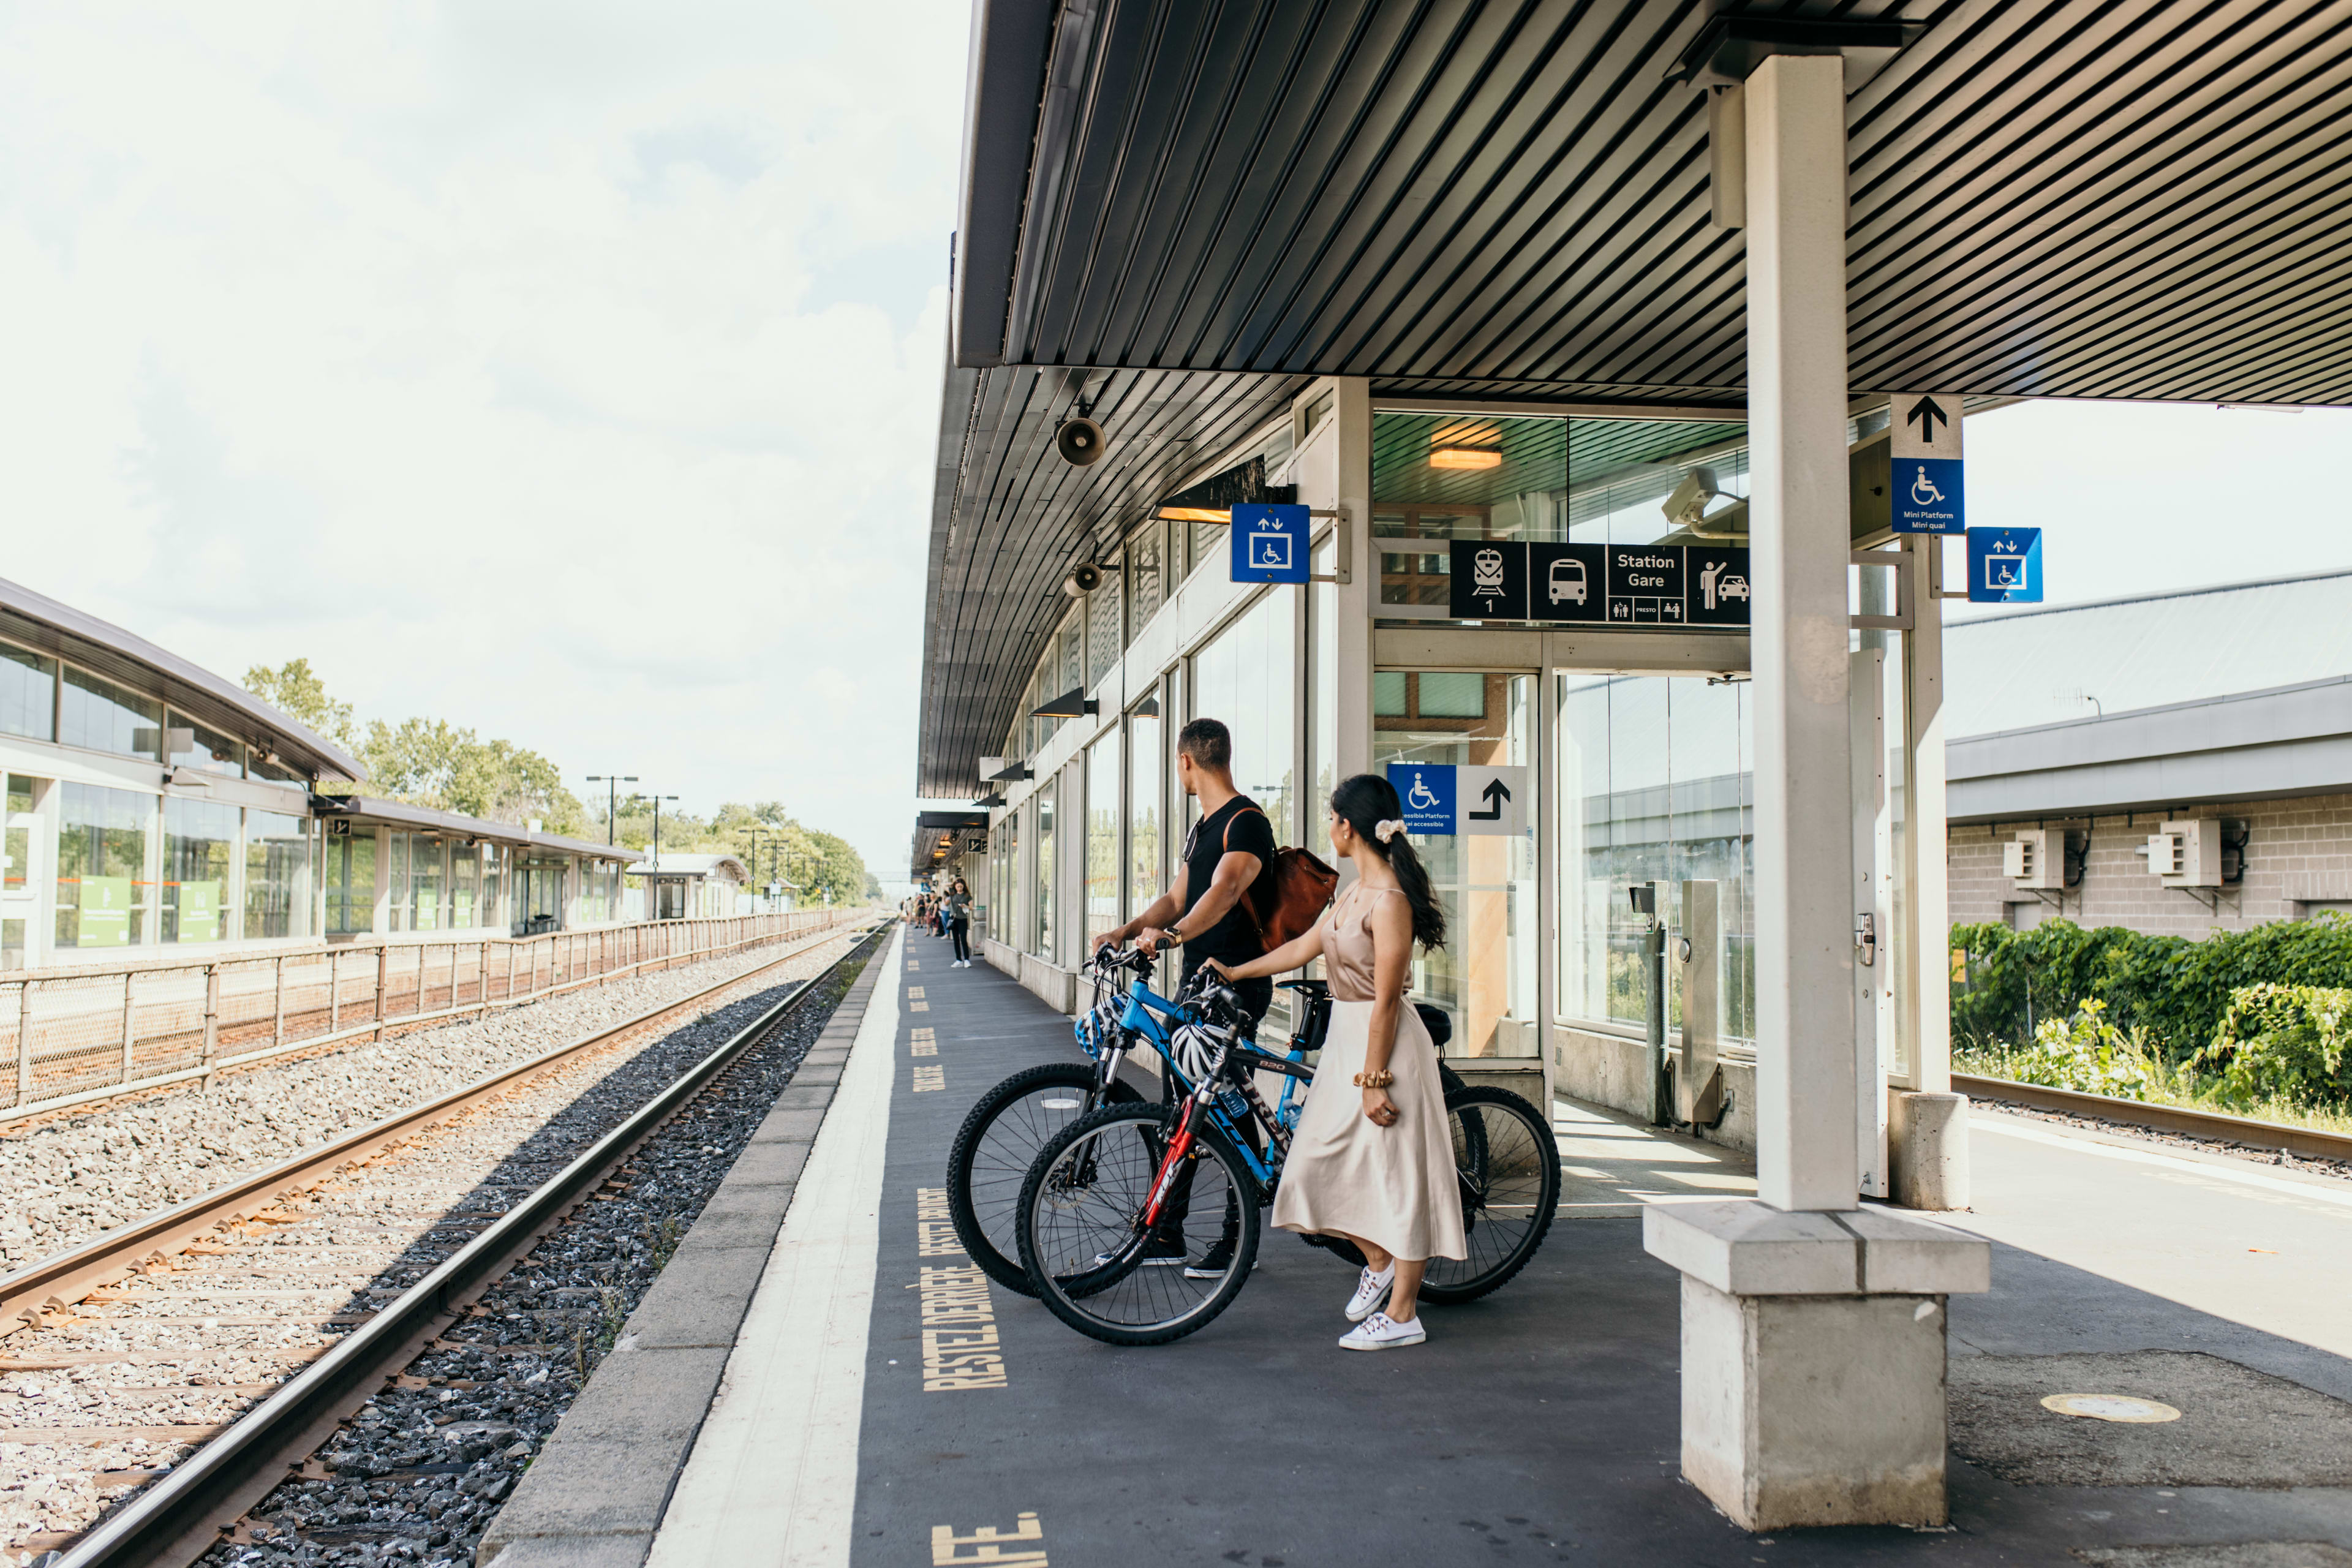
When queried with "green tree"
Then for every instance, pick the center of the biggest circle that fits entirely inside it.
(296, 691)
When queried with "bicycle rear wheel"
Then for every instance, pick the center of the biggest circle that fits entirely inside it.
(992, 1150)
(1507, 1165)
(1083, 1241)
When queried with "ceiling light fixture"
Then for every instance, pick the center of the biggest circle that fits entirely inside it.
(1196, 514)
(1466, 458)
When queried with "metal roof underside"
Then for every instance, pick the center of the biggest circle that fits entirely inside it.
(1508, 201)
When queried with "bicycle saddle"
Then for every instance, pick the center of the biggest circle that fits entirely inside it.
(1307, 987)
(1439, 1024)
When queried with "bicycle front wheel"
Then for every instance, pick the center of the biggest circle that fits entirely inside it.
(1091, 1258)
(992, 1150)
(1507, 1167)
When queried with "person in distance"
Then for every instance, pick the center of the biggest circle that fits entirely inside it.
(1205, 911)
(958, 905)
(1372, 1159)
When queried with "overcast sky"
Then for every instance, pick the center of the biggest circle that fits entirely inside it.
(572, 372)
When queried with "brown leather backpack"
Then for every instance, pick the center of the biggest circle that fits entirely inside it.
(1289, 895)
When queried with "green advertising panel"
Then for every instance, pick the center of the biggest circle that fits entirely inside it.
(105, 913)
(200, 908)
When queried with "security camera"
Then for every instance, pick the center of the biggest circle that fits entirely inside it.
(1084, 578)
(1081, 443)
(1687, 505)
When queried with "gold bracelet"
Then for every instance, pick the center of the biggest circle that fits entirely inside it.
(1379, 1079)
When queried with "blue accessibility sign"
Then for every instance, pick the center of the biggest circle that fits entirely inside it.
(1270, 544)
(1929, 497)
(1427, 790)
(2005, 565)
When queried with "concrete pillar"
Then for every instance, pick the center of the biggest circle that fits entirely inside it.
(1813, 1328)
(1800, 541)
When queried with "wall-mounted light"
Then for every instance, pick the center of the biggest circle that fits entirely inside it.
(1466, 458)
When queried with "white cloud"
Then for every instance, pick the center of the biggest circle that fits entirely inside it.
(569, 371)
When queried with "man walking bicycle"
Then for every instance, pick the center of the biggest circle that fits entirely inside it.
(1206, 912)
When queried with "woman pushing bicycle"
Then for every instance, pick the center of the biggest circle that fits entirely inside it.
(1372, 1159)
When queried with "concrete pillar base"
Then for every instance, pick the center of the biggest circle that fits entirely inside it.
(1927, 1149)
(1813, 1349)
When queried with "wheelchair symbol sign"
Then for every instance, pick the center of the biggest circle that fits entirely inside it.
(1269, 544)
(2005, 565)
(1427, 790)
(1928, 496)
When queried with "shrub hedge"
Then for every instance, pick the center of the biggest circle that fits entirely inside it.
(2174, 992)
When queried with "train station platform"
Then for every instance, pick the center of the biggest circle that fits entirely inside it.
(1538, 1425)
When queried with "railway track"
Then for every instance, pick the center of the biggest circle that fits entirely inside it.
(2208, 1126)
(249, 1323)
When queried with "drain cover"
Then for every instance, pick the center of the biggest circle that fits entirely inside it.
(2157, 1419)
(2110, 1407)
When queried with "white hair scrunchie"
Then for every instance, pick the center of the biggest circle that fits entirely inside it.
(1384, 831)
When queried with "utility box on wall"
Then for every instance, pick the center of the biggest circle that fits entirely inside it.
(2186, 853)
(2036, 859)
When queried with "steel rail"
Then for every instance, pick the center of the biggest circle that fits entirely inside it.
(180, 1517)
(2309, 1141)
(64, 1277)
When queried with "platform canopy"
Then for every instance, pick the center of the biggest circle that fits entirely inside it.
(1178, 212)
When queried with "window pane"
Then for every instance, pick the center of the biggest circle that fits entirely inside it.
(350, 878)
(1105, 629)
(29, 692)
(207, 751)
(1142, 811)
(1144, 590)
(276, 875)
(1042, 925)
(465, 887)
(199, 842)
(1248, 677)
(102, 717)
(1484, 976)
(103, 893)
(1102, 839)
(1657, 783)
(425, 859)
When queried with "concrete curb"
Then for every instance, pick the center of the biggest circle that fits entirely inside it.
(595, 1494)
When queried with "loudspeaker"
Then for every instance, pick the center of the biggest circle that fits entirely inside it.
(1081, 443)
(1084, 578)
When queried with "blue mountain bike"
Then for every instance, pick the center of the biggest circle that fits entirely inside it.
(1138, 1223)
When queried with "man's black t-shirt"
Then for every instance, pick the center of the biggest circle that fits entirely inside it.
(1238, 826)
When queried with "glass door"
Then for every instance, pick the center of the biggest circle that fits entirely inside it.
(1485, 976)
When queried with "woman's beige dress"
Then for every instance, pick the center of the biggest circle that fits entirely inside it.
(1394, 1187)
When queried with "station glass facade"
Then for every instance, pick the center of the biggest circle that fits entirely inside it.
(103, 855)
(1630, 778)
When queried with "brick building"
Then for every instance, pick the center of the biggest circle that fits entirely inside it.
(2216, 721)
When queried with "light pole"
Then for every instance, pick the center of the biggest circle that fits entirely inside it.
(613, 801)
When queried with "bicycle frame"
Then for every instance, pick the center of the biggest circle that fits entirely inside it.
(1142, 1020)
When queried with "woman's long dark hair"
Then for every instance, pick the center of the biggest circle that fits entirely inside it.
(1365, 802)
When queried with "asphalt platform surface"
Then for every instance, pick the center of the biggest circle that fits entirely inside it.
(1540, 1425)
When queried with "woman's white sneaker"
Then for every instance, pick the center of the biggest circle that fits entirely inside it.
(1381, 1332)
(1371, 1293)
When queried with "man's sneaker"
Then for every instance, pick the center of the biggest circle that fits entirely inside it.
(1381, 1332)
(1160, 1252)
(1372, 1294)
(1214, 1262)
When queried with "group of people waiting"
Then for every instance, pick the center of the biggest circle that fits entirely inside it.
(947, 915)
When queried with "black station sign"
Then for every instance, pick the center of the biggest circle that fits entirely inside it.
(1600, 585)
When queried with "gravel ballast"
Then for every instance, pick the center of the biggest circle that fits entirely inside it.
(133, 1376)
(73, 1178)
